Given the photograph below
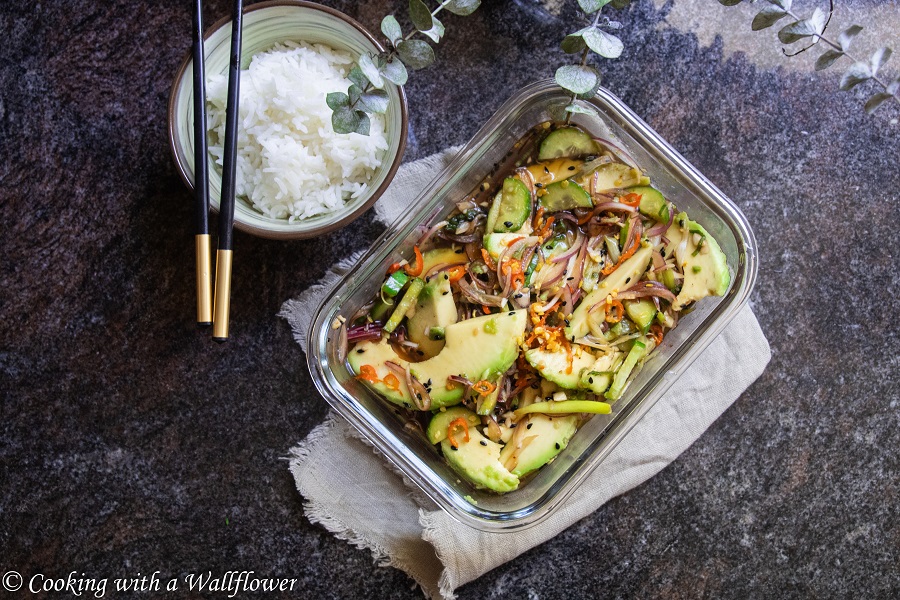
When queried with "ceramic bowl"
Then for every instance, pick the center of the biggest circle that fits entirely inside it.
(264, 25)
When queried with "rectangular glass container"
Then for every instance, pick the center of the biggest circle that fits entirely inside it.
(537, 498)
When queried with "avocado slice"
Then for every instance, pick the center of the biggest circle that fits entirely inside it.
(443, 256)
(613, 176)
(553, 366)
(622, 278)
(598, 377)
(478, 460)
(437, 427)
(705, 267)
(479, 348)
(552, 435)
(434, 308)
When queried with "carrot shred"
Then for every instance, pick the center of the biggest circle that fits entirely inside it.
(656, 332)
(484, 387)
(625, 256)
(457, 423)
(488, 260)
(420, 264)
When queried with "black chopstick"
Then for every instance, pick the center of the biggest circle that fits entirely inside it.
(201, 175)
(226, 205)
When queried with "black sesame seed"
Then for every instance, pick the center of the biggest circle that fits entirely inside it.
(508, 223)
(548, 398)
(360, 351)
(572, 168)
(444, 293)
(420, 353)
(569, 278)
(446, 276)
(627, 279)
(458, 251)
(483, 443)
(517, 296)
(538, 185)
(557, 445)
(566, 321)
(546, 170)
(590, 380)
(529, 426)
(454, 448)
(513, 426)
(512, 313)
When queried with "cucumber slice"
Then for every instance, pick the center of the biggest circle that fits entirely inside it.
(567, 142)
(641, 348)
(514, 206)
(653, 204)
(409, 298)
(642, 312)
(565, 195)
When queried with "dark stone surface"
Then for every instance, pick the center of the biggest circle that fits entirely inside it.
(131, 443)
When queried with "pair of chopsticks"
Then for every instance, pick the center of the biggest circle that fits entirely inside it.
(213, 309)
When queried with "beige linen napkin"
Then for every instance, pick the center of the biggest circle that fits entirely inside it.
(354, 493)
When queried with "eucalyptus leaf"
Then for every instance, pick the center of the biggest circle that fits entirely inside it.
(391, 29)
(894, 86)
(604, 44)
(796, 31)
(856, 74)
(416, 54)
(573, 43)
(376, 101)
(846, 37)
(462, 7)
(578, 79)
(370, 70)
(880, 56)
(730, 2)
(336, 100)
(437, 30)
(784, 5)
(620, 4)
(395, 72)
(355, 92)
(592, 6)
(344, 120)
(875, 101)
(364, 124)
(767, 17)
(577, 108)
(356, 76)
(827, 59)
(420, 15)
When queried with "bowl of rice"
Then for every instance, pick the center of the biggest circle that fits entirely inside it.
(295, 178)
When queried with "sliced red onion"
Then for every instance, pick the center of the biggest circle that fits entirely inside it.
(566, 216)
(576, 246)
(478, 297)
(460, 239)
(613, 206)
(619, 152)
(430, 233)
(420, 396)
(643, 289)
(369, 331)
(661, 228)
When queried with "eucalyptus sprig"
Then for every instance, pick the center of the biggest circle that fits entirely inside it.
(813, 28)
(583, 79)
(366, 94)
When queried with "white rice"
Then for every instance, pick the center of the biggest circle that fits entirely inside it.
(290, 162)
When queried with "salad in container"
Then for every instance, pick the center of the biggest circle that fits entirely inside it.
(543, 292)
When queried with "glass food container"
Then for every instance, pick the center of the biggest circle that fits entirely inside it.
(381, 422)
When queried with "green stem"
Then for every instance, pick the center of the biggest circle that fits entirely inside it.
(584, 57)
